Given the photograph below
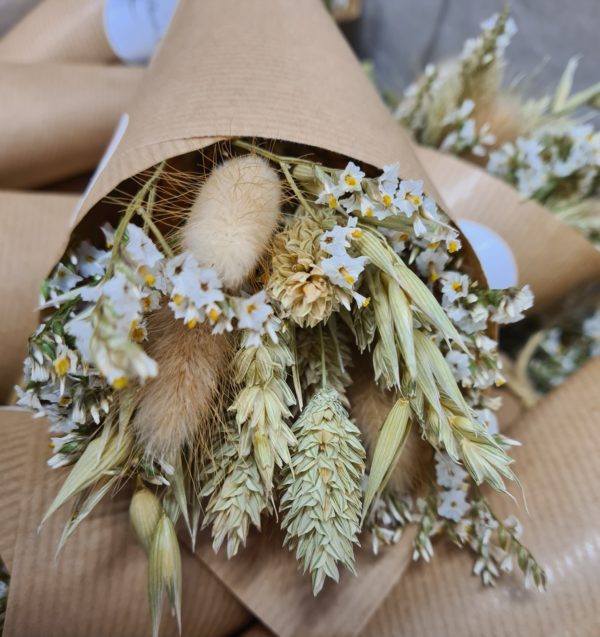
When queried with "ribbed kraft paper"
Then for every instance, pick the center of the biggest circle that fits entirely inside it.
(270, 69)
(97, 586)
(558, 466)
(266, 578)
(57, 119)
(553, 258)
(34, 229)
(59, 31)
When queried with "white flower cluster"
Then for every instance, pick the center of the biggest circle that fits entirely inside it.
(497, 32)
(341, 268)
(453, 503)
(551, 157)
(464, 136)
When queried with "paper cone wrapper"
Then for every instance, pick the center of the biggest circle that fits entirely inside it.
(553, 258)
(97, 585)
(560, 473)
(261, 69)
(57, 119)
(34, 229)
(59, 31)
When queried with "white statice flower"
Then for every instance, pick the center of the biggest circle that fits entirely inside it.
(257, 317)
(449, 474)
(432, 263)
(109, 235)
(63, 279)
(343, 270)
(388, 183)
(196, 293)
(338, 239)
(464, 135)
(454, 286)
(460, 365)
(351, 178)
(332, 191)
(453, 504)
(511, 308)
(90, 261)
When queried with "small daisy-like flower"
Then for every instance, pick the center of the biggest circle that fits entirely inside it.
(511, 309)
(454, 286)
(81, 330)
(338, 239)
(351, 178)
(331, 193)
(388, 183)
(343, 270)
(141, 248)
(64, 279)
(91, 262)
(453, 504)
(460, 365)
(448, 473)
(255, 315)
(409, 197)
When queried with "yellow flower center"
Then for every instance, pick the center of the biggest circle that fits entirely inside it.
(191, 324)
(456, 286)
(452, 247)
(433, 275)
(350, 180)
(415, 199)
(250, 308)
(403, 237)
(357, 233)
(213, 314)
(136, 331)
(366, 302)
(347, 276)
(120, 383)
(177, 299)
(61, 365)
(333, 202)
(369, 212)
(387, 201)
(434, 245)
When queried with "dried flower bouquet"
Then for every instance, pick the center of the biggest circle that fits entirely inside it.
(205, 351)
(546, 147)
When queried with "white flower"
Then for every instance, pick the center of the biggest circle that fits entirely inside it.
(91, 262)
(388, 183)
(511, 310)
(432, 263)
(454, 286)
(109, 235)
(591, 326)
(409, 197)
(460, 364)
(64, 279)
(351, 178)
(448, 473)
(256, 316)
(460, 114)
(453, 504)
(331, 192)
(343, 270)
(125, 300)
(81, 330)
(337, 240)
(141, 248)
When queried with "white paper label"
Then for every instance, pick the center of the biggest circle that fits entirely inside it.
(134, 27)
(495, 255)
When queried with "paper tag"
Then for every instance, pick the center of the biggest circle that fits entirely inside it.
(134, 27)
(496, 257)
(108, 153)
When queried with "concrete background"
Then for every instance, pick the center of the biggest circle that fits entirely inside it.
(400, 36)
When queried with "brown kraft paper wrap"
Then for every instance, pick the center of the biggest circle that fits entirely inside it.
(34, 229)
(551, 257)
(267, 69)
(58, 118)
(558, 466)
(59, 31)
(97, 585)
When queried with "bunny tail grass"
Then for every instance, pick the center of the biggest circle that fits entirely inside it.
(369, 409)
(178, 406)
(232, 220)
